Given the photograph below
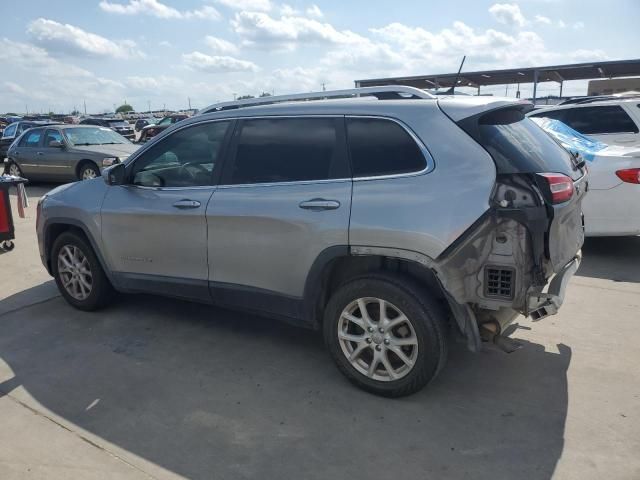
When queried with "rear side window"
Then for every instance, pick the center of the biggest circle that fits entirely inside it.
(288, 150)
(31, 139)
(382, 147)
(595, 120)
(518, 145)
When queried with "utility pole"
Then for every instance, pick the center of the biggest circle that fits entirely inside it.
(324, 89)
(189, 101)
(85, 106)
(149, 104)
(234, 96)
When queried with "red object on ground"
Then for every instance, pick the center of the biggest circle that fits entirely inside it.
(5, 212)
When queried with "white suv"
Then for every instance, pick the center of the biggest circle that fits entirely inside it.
(614, 121)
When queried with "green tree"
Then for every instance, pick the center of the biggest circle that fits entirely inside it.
(244, 97)
(124, 108)
(265, 94)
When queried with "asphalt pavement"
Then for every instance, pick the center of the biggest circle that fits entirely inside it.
(160, 388)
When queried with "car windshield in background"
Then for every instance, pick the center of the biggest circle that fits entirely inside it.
(93, 136)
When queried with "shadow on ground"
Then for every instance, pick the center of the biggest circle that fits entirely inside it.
(611, 258)
(208, 393)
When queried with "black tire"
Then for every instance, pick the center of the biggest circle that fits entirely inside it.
(86, 167)
(101, 290)
(425, 314)
(15, 166)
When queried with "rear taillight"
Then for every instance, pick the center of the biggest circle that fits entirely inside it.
(560, 186)
(629, 175)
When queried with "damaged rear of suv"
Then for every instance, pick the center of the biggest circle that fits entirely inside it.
(531, 233)
(386, 222)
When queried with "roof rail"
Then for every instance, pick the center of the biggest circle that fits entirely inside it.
(599, 98)
(386, 92)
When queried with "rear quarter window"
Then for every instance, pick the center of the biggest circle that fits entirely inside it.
(380, 147)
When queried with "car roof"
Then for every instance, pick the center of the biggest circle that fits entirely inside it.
(594, 103)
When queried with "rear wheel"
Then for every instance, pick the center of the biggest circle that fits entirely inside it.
(78, 273)
(88, 171)
(386, 335)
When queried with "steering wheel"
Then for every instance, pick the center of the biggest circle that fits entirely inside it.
(197, 166)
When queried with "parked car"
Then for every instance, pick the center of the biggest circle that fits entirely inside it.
(140, 124)
(613, 120)
(356, 218)
(67, 153)
(13, 131)
(118, 125)
(151, 131)
(612, 207)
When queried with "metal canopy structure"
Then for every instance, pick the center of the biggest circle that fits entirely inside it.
(535, 75)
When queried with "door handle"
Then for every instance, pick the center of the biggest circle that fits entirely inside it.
(317, 204)
(183, 204)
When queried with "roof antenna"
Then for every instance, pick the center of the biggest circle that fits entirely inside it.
(451, 91)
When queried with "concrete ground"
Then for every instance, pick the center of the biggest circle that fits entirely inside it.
(159, 388)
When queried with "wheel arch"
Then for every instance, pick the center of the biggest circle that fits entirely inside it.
(337, 265)
(54, 227)
(82, 163)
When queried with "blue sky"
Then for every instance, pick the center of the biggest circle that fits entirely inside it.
(56, 55)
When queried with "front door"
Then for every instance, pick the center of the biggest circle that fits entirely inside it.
(53, 162)
(285, 197)
(154, 228)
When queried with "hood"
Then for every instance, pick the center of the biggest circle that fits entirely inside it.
(121, 150)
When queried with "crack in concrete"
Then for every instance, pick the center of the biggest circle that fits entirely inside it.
(22, 307)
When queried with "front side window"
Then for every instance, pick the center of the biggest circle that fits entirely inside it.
(52, 136)
(288, 150)
(31, 138)
(9, 131)
(382, 147)
(186, 158)
(600, 120)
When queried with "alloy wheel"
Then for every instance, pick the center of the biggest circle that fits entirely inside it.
(89, 173)
(377, 339)
(75, 272)
(14, 170)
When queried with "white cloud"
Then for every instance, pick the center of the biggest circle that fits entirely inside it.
(561, 24)
(219, 45)
(508, 13)
(542, 19)
(251, 5)
(217, 63)
(158, 9)
(314, 11)
(578, 25)
(13, 88)
(165, 44)
(261, 28)
(288, 11)
(160, 82)
(73, 40)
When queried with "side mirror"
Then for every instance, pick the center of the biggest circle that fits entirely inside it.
(56, 144)
(115, 174)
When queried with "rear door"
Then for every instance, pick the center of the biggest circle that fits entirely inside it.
(285, 197)
(29, 151)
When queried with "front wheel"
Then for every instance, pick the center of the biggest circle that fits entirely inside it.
(78, 273)
(14, 169)
(88, 171)
(386, 335)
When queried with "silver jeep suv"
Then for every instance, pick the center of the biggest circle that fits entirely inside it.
(390, 221)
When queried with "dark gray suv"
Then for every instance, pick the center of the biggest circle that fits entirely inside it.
(389, 221)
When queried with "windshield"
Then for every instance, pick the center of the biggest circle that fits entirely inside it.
(93, 136)
(165, 121)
